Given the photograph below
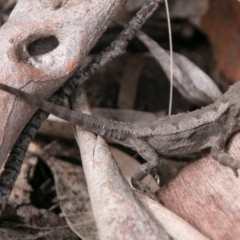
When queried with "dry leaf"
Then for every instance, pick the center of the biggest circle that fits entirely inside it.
(72, 194)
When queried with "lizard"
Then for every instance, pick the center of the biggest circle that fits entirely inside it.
(207, 128)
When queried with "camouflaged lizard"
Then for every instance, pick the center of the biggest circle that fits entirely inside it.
(207, 128)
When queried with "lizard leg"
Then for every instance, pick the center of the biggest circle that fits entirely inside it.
(225, 159)
(149, 154)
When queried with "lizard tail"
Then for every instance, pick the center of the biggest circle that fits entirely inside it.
(88, 122)
(19, 93)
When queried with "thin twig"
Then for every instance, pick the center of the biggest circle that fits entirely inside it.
(171, 57)
(14, 162)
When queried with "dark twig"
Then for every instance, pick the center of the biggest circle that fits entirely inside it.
(14, 162)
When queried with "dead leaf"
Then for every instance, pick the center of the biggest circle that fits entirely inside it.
(189, 79)
(72, 194)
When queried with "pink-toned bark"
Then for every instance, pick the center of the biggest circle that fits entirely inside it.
(207, 195)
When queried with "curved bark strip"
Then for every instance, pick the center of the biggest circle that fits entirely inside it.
(116, 209)
(42, 43)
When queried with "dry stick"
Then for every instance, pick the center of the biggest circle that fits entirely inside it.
(13, 164)
(171, 57)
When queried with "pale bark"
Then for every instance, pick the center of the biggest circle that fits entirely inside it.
(77, 25)
(117, 211)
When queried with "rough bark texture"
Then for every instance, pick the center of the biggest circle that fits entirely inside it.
(207, 195)
(70, 29)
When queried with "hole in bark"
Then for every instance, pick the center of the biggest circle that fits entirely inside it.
(42, 46)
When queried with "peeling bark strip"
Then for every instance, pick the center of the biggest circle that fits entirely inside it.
(13, 164)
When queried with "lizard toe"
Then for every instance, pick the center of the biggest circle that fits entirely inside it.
(142, 187)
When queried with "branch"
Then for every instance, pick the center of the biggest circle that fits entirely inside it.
(61, 22)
